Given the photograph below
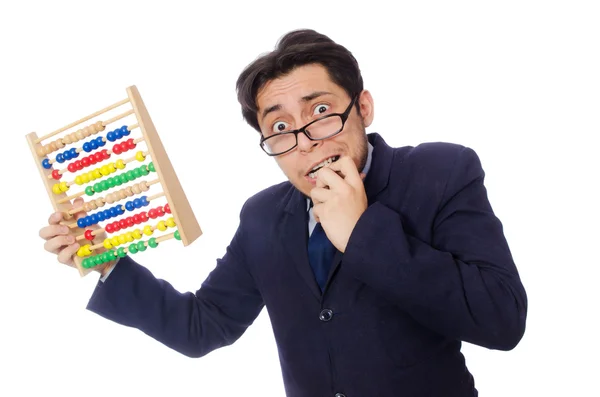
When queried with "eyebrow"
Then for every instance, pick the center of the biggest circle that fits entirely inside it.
(306, 98)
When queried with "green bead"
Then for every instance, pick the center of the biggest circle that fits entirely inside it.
(133, 248)
(177, 236)
(152, 243)
(141, 246)
(123, 178)
(85, 263)
(97, 187)
(130, 175)
(108, 256)
(105, 185)
(151, 167)
(89, 191)
(137, 172)
(97, 260)
(121, 252)
(111, 182)
(144, 170)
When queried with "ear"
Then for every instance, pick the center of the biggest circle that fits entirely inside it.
(367, 107)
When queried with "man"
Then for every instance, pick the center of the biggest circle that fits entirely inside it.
(373, 262)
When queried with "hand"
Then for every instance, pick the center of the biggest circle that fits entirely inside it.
(59, 240)
(339, 200)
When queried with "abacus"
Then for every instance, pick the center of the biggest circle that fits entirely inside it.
(112, 153)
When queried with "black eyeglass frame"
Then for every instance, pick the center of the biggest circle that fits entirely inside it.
(344, 116)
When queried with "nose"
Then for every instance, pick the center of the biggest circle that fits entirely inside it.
(305, 144)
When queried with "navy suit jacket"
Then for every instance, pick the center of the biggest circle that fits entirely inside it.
(426, 267)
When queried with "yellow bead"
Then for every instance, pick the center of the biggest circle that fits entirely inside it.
(63, 186)
(171, 222)
(115, 241)
(91, 176)
(137, 234)
(161, 226)
(129, 237)
(97, 173)
(107, 244)
(85, 178)
(84, 251)
(80, 252)
(79, 180)
(122, 239)
(148, 230)
(56, 189)
(105, 170)
(139, 156)
(112, 168)
(120, 164)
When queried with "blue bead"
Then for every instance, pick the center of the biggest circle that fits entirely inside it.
(100, 216)
(145, 201)
(125, 131)
(86, 147)
(129, 206)
(81, 222)
(60, 158)
(74, 153)
(46, 164)
(118, 134)
(121, 210)
(107, 214)
(67, 155)
(100, 141)
(137, 203)
(114, 211)
(94, 218)
(111, 136)
(93, 144)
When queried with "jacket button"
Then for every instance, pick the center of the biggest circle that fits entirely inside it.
(326, 315)
(340, 395)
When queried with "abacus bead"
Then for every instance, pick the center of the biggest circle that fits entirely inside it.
(177, 235)
(109, 228)
(139, 156)
(81, 223)
(121, 238)
(130, 144)
(116, 149)
(171, 222)
(123, 223)
(114, 212)
(152, 243)
(121, 252)
(97, 174)
(136, 189)
(120, 164)
(144, 199)
(86, 147)
(120, 210)
(144, 186)
(107, 244)
(131, 175)
(118, 133)
(85, 178)
(111, 136)
(133, 248)
(99, 156)
(130, 222)
(60, 158)
(115, 241)
(144, 217)
(137, 234)
(89, 190)
(137, 172)
(93, 144)
(100, 203)
(129, 237)
(116, 227)
(63, 186)
(105, 154)
(66, 155)
(141, 246)
(46, 164)
(94, 219)
(137, 203)
(100, 216)
(88, 235)
(74, 153)
(85, 263)
(161, 226)
(167, 208)
(85, 162)
(99, 126)
(124, 130)
(72, 167)
(41, 151)
(152, 213)
(129, 206)
(104, 185)
(148, 230)
(104, 170)
(151, 167)
(160, 211)
(93, 159)
(55, 174)
(137, 219)
(144, 170)
(100, 142)
(111, 182)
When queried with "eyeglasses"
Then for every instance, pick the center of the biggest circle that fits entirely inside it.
(317, 130)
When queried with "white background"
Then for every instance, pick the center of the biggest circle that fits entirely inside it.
(518, 81)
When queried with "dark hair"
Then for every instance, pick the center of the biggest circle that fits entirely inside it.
(297, 48)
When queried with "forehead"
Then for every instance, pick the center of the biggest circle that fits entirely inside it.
(289, 89)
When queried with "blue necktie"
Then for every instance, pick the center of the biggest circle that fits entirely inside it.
(320, 254)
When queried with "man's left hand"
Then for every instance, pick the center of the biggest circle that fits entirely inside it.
(339, 200)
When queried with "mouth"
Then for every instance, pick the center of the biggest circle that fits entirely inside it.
(313, 171)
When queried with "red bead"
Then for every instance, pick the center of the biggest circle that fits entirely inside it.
(167, 209)
(99, 156)
(116, 226)
(85, 162)
(93, 159)
(130, 221)
(137, 219)
(160, 211)
(152, 213)
(72, 167)
(88, 235)
(124, 147)
(123, 223)
(109, 228)
(55, 174)
(116, 149)
(144, 216)
(130, 144)
(105, 154)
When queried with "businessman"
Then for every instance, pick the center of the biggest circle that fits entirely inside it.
(374, 262)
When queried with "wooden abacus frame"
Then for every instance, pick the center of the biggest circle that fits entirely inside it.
(187, 225)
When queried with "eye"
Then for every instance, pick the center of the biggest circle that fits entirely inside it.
(319, 109)
(280, 126)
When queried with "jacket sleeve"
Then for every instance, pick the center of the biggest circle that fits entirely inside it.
(464, 285)
(193, 324)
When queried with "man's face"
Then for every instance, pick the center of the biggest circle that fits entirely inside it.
(300, 97)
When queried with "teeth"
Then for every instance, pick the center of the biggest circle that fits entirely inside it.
(323, 163)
